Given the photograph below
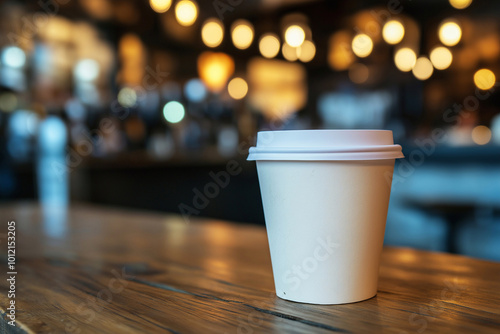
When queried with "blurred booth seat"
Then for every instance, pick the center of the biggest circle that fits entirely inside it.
(435, 203)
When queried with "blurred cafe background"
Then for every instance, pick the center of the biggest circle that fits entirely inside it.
(142, 104)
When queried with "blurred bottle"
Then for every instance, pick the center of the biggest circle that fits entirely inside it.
(52, 174)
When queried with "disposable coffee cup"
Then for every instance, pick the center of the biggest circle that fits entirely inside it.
(325, 195)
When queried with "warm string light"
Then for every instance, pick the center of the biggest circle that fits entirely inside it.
(306, 51)
(186, 12)
(297, 47)
(405, 59)
(269, 45)
(295, 36)
(484, 79)
(460, 4)
(393, 32)
(289, 52)
(212, 33)
(450, 33)
(160, 6)
(362, 45)
(242, 33)
(423, 68)
(237, 88)
(441, 58)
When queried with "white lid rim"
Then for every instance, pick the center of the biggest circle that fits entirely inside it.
(340, 156)
(339, 149)
(328, 130)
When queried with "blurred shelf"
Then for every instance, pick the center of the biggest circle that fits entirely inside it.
(143, 159)
(452, 154)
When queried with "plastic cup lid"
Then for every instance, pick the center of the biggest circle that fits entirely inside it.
(325, 145)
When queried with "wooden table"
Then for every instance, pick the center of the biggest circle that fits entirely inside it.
(120, 271)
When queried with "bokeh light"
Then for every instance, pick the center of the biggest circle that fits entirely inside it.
(8, 101)
(130, 46)
(362, 45)
(306, 51)
(237, 88)
(135, 129)
(75, 110)
(195, 90)
(86, 70)
(23, 123)
(99, 9)
(289, 52)
(215, 69)
(393, 32)
(242, 33)
(52, 135)
(160, 6)
(173, 112)
(295, 35)
(405, 59)
(450, 33)
(278, 88)
(481, 135)
(269, 45)
(359, 73)
(186, 12)
(340, 56)
(441, 57)
(495, 129)
(212, 32)
(423, 68)
(484, 79)
(127, 97)
(227, 141)
(14, 57)
(460, 4)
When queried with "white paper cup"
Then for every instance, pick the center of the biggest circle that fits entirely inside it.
(325, 195)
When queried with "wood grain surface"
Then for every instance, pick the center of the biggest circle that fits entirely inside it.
(101, 270)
